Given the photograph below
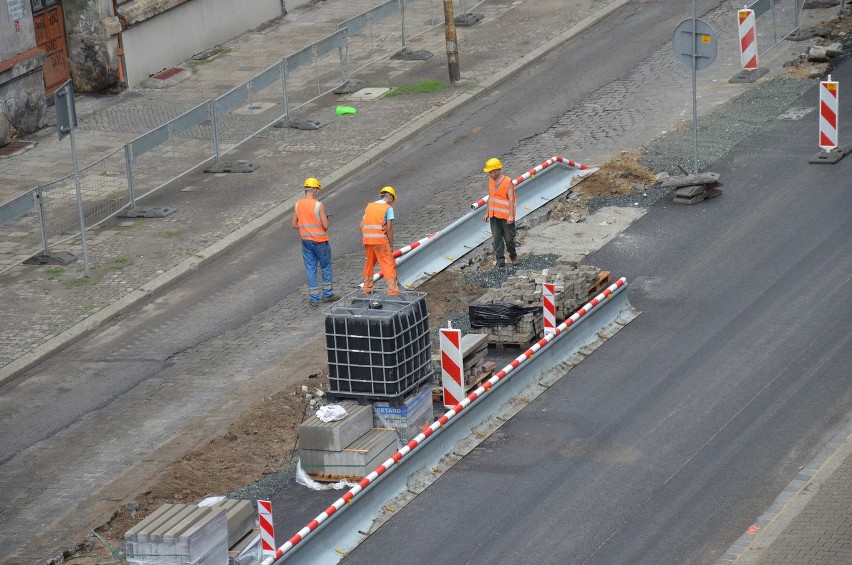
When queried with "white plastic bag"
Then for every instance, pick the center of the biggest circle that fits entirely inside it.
(331, 412)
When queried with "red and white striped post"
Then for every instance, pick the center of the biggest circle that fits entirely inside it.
(828, 116)
(267, 531)
(548, 294)
(452, 379)
(748, 39)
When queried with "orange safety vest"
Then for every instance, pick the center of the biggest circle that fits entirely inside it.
(308, 221)
(499, 203)
(373, 227)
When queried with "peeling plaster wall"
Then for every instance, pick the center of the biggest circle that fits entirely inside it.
(90, 28)
(190, 27)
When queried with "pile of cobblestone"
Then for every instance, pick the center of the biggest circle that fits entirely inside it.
(524, 289)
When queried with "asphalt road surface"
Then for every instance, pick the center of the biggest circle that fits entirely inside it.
(666, 443)
(103, 377)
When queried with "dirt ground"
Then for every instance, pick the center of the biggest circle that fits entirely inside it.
(240, 454)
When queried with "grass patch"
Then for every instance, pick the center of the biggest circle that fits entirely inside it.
(422, 87)
(118, 264)
(53, 273)
(83, 281)
(172, 234)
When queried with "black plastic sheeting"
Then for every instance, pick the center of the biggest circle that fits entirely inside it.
(493, 315)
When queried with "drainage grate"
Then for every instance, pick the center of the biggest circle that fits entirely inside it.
(168, 73)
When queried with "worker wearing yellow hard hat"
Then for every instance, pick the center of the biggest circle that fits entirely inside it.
(310, 219)
(500, 212)
(377, 237)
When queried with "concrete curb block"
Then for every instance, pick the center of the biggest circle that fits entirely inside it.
(175, 274)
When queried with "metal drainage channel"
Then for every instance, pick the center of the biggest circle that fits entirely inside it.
(338, 533)
(535, 188)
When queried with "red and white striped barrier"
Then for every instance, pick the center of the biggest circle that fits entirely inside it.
(388, 465)
(748, 39)
(267, 531)
(548, 300)
(828, 114)
(402, 251)
(452, 364)
(533, 172)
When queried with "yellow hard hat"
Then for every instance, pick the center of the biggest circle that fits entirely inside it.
(311, 182)
(492, 165)
(389, 190)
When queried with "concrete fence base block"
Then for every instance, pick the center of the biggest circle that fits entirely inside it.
(62, 258)
(238, 167)
(158, 212)
(830, 157)
(748, 75)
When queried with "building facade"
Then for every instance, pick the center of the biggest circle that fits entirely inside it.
(104, 46)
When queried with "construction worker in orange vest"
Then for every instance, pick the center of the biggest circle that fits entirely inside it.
(377, 236)
(501, 210)
(310, 219)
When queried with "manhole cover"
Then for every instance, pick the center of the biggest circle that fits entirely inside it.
(16, 148)
(255, 108)
(168, 73)
(367, 94)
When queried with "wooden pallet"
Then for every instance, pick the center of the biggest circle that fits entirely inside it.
(600, 284)
(438, 391)
(329, 478)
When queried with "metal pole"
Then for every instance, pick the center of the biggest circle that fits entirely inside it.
(284, 71)
(215, 123)
(694, 86)
(402, 14)
(128, 162)
(452, 44)
(79, 204)
(41, 220)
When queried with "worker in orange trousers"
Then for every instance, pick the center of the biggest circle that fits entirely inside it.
(377, 236)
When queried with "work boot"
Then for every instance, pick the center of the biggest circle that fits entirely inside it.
(332, 298)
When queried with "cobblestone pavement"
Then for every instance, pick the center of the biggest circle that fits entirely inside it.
(132, 259)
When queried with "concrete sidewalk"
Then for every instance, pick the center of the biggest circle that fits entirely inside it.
(46, 309)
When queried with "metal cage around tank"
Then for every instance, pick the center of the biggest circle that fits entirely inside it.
(378, 346)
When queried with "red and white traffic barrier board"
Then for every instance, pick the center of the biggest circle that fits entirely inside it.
(828, 91)
(548, 294)
(748, 39)
(452, 377)
(267, 531)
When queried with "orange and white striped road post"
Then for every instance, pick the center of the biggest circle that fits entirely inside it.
(828, 114)
(452, 378)
(548, 300)
(267, 531)
(748, 39)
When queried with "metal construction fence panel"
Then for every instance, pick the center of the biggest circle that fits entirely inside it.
(20, 232)
(170, 151)
(775, 20)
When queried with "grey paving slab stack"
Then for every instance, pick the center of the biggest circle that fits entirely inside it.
(357, 460)
(316, 435)
(524, 290)
(409, 418)
(179, 533)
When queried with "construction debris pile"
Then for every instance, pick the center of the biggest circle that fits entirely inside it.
(573, 285)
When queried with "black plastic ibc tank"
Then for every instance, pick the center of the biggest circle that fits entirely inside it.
(378, 345)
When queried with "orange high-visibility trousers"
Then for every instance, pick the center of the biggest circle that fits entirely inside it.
(382, 254)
